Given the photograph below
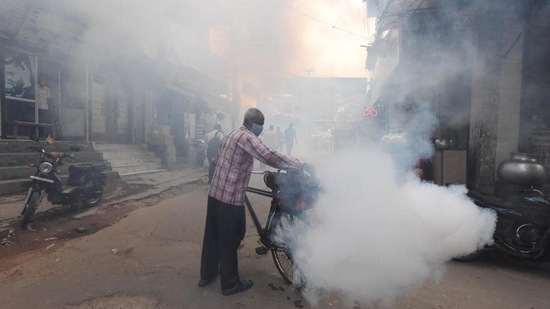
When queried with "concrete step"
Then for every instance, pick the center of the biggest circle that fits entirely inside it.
(14, 185)
(125, 160)
(15, 172)
(22, 159)
(161, 177)
(133, 168)
(127, 154)
(133, 160)
(129, 176)
(20, 185)
(15, 155)
(22, 146)
(130, 159)
(23, 171)
(118, 147)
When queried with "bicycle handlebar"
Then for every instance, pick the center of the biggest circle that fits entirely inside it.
(310, 168)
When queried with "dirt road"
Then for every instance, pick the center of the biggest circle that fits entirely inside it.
(146, 255)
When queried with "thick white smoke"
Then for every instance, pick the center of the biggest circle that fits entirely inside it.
(260, 39)
(372, 237)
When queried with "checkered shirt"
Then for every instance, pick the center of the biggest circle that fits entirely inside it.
(234, 165)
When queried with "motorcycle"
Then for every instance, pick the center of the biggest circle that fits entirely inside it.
(84, 184)
(523, 211)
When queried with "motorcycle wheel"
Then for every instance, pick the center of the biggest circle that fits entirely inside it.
(281, 225)
(94, 191)
(29, 210)
(93, 199)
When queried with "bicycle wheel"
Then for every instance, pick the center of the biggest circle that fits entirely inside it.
(281, 226)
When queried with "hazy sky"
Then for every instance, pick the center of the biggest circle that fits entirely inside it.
(292, 37)
(332, 33)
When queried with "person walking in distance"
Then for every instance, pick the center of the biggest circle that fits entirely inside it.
(290, 138)
(225, 215)
(270, 137)
(279, 139)
(213, 141)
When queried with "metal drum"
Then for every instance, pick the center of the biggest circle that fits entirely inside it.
(522, 169)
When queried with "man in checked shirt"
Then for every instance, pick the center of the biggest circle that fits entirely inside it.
(225, 216)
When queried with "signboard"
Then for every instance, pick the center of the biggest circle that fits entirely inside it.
(19, 76)
(370, 112)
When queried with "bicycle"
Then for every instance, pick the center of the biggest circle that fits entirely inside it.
(292, 192)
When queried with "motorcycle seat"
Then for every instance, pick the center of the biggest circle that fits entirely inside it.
(87, 168)
(490, 200)
(81, 169)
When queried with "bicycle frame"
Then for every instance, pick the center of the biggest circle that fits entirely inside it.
(264, 238)
(283, 212)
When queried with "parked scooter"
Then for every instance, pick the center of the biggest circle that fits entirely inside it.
(85, 182)
(523, 210)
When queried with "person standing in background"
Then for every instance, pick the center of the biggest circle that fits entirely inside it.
(270, 138)
(43, 102)
(213, 141)
(290, 138)
(279, 139)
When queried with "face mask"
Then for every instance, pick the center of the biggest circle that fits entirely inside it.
(256, 129)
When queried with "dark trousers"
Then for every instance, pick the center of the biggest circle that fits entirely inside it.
(289, 148)
(224, 230)
(210, 169)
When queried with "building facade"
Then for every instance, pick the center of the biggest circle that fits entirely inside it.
(480, 66)
(130, 97)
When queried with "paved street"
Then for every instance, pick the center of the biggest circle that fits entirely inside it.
(150, 259)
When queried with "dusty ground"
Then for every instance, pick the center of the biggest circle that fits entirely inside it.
(150, 259)
(62, 223)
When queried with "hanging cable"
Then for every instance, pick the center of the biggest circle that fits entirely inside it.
(325, 22)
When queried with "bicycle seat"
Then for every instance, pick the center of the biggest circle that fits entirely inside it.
(89, 167)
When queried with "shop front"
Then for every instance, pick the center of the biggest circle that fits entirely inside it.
(41, 96)
(31, 95)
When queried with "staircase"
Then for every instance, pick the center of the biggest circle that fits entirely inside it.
(15, 155)
(130, 160)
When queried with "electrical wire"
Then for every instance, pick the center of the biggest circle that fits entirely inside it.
(325, 22)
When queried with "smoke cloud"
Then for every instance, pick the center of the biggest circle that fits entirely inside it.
(373, 237)
(253, 39)
(377, 231)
